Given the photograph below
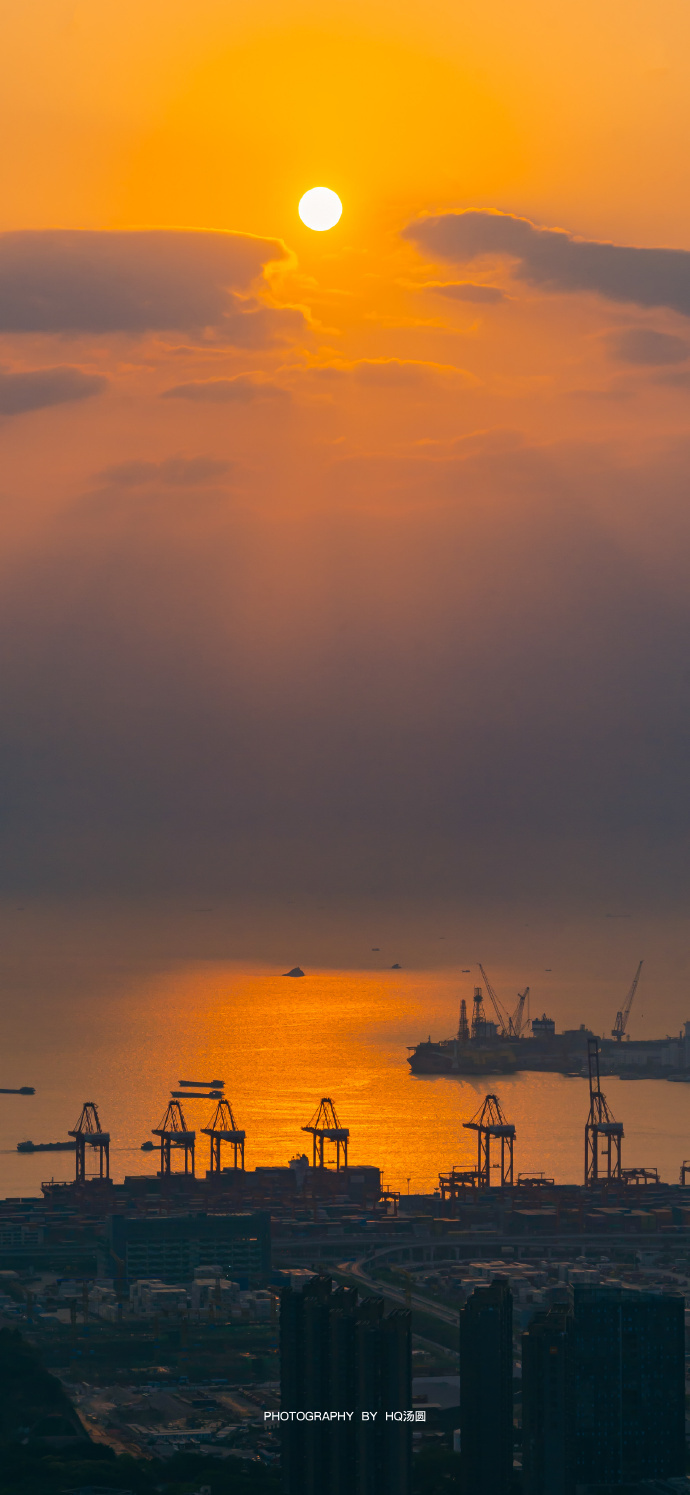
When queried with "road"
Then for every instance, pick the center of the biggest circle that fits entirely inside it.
(357, 1270)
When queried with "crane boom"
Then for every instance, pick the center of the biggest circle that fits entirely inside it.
(503, 1021)
(516, 1021)
(621, 1022)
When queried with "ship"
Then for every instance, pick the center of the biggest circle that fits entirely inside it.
(515, 1042)
(46, 1146)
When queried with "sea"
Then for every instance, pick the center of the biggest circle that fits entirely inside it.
(95, 1012)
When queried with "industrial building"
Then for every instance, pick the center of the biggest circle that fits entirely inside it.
(171, 1247)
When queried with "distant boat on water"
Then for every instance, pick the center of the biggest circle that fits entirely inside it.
(46, 1146)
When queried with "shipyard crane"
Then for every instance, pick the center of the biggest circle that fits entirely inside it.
(503, 1022)
(621, 1023)
(517, 1021)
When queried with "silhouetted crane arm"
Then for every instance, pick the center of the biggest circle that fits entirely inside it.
(517, 1018)
(621, 1022)
(503, 1020)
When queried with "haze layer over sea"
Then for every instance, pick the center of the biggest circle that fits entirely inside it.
(115, 1004)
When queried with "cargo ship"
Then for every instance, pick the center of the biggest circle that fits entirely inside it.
(516, 1042)
(46, 1146)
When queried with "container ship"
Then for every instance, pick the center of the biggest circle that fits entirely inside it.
(509, 1042)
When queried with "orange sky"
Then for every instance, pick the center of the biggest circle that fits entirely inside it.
(211, 445)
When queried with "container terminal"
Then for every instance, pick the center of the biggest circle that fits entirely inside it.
(507, 1042)
(156, 1301)
(320, 1206)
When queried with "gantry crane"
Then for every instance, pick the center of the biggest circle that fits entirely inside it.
(88, 1132)
(175, 1136)
(603, 1135)
(324, 1126)
(621, 1023)
(489, 1122)
(223, 1128)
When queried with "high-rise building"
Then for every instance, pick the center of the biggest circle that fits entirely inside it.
(548, 1408)
(486, 1390)
(629, 1368)
(340, 1356)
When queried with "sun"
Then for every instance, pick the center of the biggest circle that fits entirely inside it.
(320, 209)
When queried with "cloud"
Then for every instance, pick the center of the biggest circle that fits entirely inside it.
(177, 472)
(647, 346)
(557, 260)
(79, 281)
(241, 389)
(248, 324)
(388, 372)
(35, 389)
(466, 290)
(677, 379)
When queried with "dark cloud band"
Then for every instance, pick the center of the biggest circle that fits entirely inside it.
(241, 389)
(91, 282)
(467, 290)
(557, 260)
(644, 345)
(34, 389)
(174, 472)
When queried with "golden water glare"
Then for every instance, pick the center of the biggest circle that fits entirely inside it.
(280, 1045)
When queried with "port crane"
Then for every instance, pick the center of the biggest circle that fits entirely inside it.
(175, 1135)
(603, 1134)
(489, 1122)
(621, 1023)
(501, 1018)
(517, 1021)
(88, 1132)
(223, 1128)
(510, 1025)
(325, 1127)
